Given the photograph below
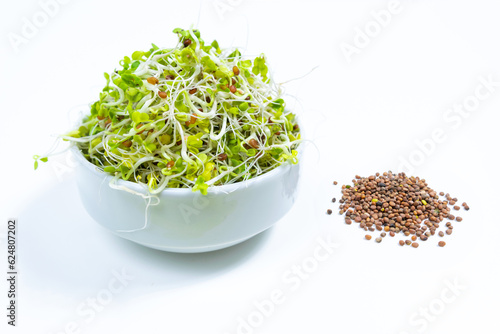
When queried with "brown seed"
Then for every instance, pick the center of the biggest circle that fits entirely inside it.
(441, 233)
(127, 143)
(334, 200)
(383, 234)
(368, 237)
(458, 219)
(329, 211)
(232, 88)
(408, 242)
(170, 77)
(191, 121)
(153, 80)
(252, 142)
(192, 91)
(456, 207)
(161, 94)
(170, 164)
(441, 244)
(236, 70)
(379, 239)
(187, 42)
(108, 122)
(401, 243)
(414, 244)
(392, 234)
(441, 193)
(334, 182)
(413, 238)
(449, 231)
(222, 156)
(348, 221)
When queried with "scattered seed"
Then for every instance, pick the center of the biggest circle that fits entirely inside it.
(379, 239)
(127, 143)
(368, 237)
(441, 233)
(401, 242)
(192, 91)
(395, 203)
(222, 156)
(449, 231)
(236, 70)
(441, 244)
(408, 242)
(458, 219)
(414, 244)
(335, 183)
(334, 200)
(383, 234)
(232, 88)
(329, 211)
(163, 95)
(187, 42)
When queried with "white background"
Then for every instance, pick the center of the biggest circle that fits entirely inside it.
(363, 114)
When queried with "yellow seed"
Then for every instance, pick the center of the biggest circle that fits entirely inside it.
(374, 200)
(424, 202)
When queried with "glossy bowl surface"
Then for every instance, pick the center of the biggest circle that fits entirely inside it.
(185, 221)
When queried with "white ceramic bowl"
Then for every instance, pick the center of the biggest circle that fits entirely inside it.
(186, 221)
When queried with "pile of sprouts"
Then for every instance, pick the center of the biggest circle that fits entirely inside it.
(192, 116)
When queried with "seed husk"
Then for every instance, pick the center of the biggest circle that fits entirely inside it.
(253, 143)
(153, 80)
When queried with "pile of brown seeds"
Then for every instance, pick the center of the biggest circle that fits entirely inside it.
(397, 204)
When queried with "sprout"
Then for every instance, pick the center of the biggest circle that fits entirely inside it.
(166, 117)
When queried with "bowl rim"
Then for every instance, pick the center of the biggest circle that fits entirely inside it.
(225, 188)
